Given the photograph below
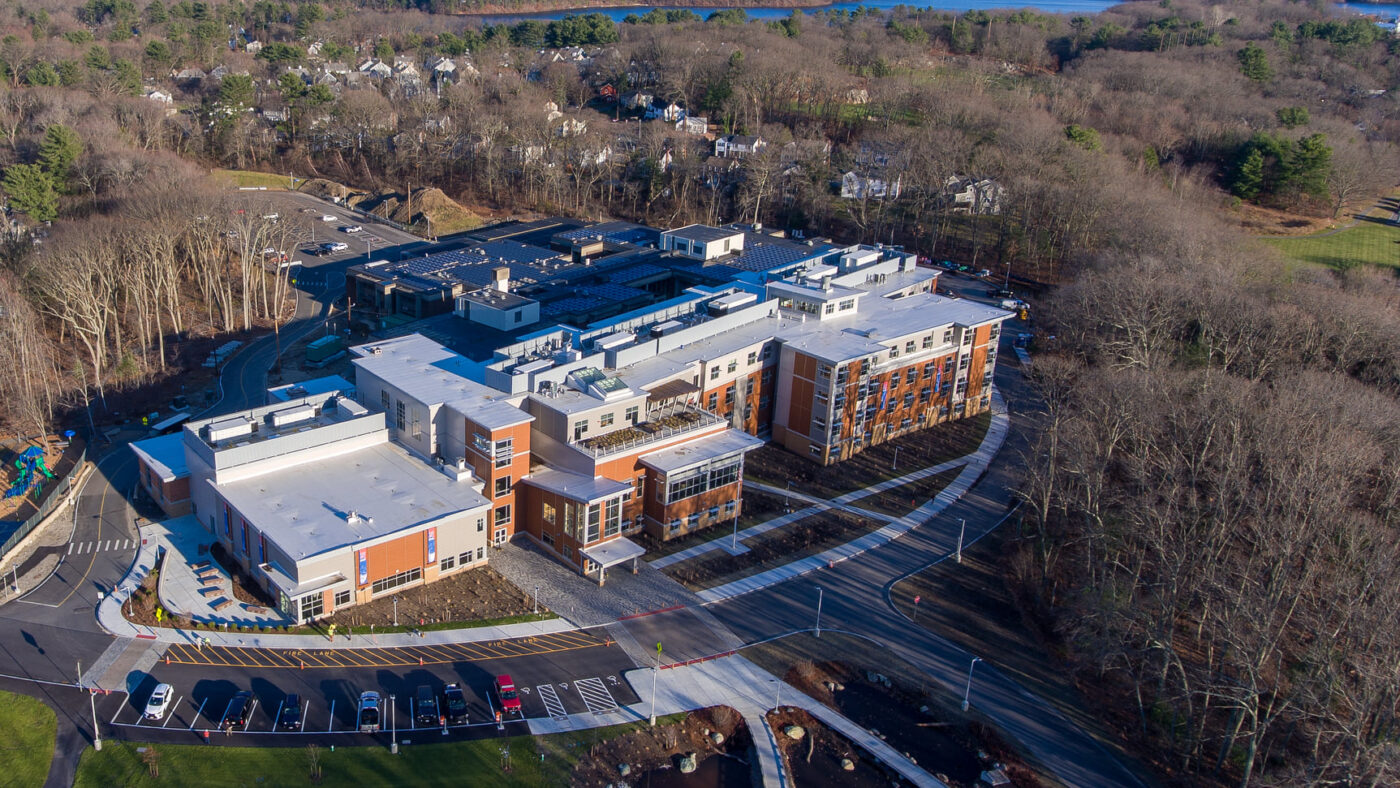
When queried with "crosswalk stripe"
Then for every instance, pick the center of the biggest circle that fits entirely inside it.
(595, 695)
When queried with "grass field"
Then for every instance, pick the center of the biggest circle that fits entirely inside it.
(477, 763)
(246, 178)
(26, 740)
(1368, 243)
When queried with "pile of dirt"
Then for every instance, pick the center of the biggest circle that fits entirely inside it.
(819, 756)
(424, 207)
(480, 594)
(652, 755)
(330, 190)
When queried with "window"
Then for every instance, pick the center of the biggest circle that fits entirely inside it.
(967, 338)
(400, 419)
(767, 376)
(342, 598)
(753, 357)
(948, 337)
(729, 396)
(675, 525)
(693, 521)
(400, 579)
(641, 486)
(963, 362)
(730, 507)
(519, 315)
(925, 394)
(714, 400)
(384, 400)
(605, 420)
(910, 375)
(767, 351)
(733, 365)
(312, 605)
(480, 524)
(908, 399)
(570, 518)
(693, 482)
(928, 342)
(580, 429)
(823, 372)
(909, 346)
(417, 430)
(630, 414)
(480, 553)
(447, 564)
(816, 450)
(847, 305)
(612, 522)
(502, 486)
(548, 512)
(504, 451)
(714, 373)
(894, 352)
(503, 515)
(590, 531)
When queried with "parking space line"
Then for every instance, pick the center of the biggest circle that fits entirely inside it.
(434, 650)
(412, 720)
(552, 705)
(228, 652)
(170, 715)
(252, 659)
(280, 704)
(330, 725)
(197, 712)
(304, 712)
(119, 711)
(248, 723)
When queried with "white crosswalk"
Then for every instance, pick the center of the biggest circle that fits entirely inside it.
(100, 546)
(595, 695)
(552, 704)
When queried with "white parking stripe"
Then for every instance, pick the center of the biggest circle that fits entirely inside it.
(330, 726)
(197, 712)
(552, 704)
(304, 712)
(595, 695)
(170, 715)
(278, 716)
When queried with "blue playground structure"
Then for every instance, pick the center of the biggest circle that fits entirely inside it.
(31, 460)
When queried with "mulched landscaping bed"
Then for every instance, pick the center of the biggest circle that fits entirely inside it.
(757, 507)
(901, 500)
(791, 542)
(245, 589)
(775, 466)
(652, 754)
(472, 595)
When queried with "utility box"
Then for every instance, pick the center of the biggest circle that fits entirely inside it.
(323, 349)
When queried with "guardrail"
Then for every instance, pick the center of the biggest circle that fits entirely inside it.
(45, 508)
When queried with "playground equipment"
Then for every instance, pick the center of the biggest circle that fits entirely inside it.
(30, 461)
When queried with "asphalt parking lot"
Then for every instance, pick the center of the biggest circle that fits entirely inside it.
(329, 699)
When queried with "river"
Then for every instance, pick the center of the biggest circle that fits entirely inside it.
(1076, 7)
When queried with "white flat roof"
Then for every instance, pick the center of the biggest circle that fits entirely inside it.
(305, 509)
(881, 320)
(577, 486)
(678, 458)
(613, 551)
(421, 368)
(493, 414)
(164, 455)
(306, 388)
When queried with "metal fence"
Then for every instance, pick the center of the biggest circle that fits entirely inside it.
(54, 498)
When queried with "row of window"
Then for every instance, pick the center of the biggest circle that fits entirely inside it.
(701, 480)
(450, 562)
(630, 415)
(394, 581)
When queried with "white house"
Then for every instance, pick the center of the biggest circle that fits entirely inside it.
(691, 124)
(861, 187)
(978, 196)
(737, 146)
(670, 113)
(161, 96)
(571, 127)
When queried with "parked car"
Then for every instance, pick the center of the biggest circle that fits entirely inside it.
(351, 228)
(425, 707)
(159, 702)
(290, 717)
(1001, 292)
(328, 218)
(335, 246)
(506, 694)
(1014, 304)
(239, 710)
(983, 274)
(454, 705)
(949, 264)
(271, 217)
(368, 716)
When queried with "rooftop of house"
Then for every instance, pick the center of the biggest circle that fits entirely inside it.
(349, 499)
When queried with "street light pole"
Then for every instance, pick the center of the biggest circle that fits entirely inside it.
(894, 466)
(962, 529)
(396, 611)
(1007, 283)
(787, 495)
(393, 729)
(968, 692)
(537, 598)
(819, 611)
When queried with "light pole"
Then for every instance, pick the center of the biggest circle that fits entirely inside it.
(393, 729)
(1007, 283)
(537, 598)
(962, 529)
(787, 495)
(894, 465)
(819, 611)
(734, 543)
(396, 611)
(654, 672)
(968, 692)
(777, 693)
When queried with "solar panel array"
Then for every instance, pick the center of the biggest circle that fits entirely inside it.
(474, 264)
(763, 256)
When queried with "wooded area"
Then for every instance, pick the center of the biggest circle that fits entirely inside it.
(1212, 500)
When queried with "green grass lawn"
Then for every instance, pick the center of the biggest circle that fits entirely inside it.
(248, 178)
(1368, 243)
(477, 763)
(26, 740)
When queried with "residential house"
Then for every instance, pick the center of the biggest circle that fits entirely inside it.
(442, 69)
(607, 93)
(737, 146)
(374, 67)
(188, 75)
(637, 100)
(669, 113)
(692, 124)
(855, 186)
(157, 95)
(977, 196)
(253, 47)
(571, 127)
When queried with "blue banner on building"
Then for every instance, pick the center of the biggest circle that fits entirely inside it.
(432, 545)
(364, 567)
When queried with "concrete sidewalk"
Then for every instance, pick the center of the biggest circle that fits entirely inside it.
(725, 543)
(975, 465)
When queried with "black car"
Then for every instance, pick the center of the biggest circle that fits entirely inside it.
(1002, 292)
(455, 705)
(238, 711)
(290, 718)
(425, 707)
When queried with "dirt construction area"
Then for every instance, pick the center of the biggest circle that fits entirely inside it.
(474, 595)
(714, 741)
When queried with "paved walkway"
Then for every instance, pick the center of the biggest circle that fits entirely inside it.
(725, 542)
(974, 465)
(193, 584)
